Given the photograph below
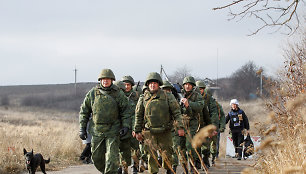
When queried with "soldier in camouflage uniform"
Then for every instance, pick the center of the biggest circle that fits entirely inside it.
(111, 119)
(155, 112)
(211, 105)
(192, 106)
(134, 144)
(175, 137)
(214, 150)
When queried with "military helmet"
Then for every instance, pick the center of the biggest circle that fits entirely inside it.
(144, 88)
(106, 73)
(208, 91)
(154, 76)
(189, 79)
(128, 79)
(120, 84)
(200, 84)
(166, 84)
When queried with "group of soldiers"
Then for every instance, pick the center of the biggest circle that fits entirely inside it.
(153, 125)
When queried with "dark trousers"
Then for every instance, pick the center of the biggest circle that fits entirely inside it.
(86, 152)
(237, 140)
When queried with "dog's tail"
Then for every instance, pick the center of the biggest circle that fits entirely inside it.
(47, 161)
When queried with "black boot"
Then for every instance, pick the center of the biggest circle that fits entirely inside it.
(185, 167)
(134, 169)
(160, 160)
(206, 161)
(174, 168)
(169, 171)
(213, 160)
(119, 170)
(198, 164)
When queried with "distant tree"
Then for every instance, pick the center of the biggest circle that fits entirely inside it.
(241, 83)
(271, 13)
(179, 75)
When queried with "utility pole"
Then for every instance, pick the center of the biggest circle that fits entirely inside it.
(217, 66)
(75, 80)
(259, 72)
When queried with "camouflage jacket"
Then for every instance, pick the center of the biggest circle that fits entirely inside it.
(109, 109)
(212, 109)
(221, 116)
(194, 110)
(132, 99)
(156, 111)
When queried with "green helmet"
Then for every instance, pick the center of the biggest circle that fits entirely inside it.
(144, 88)
(166, 84)
(128, 79)
(208, 91)
(120, 84)
(200, 84)
(154, 76)
(106, 73)
(189, 79)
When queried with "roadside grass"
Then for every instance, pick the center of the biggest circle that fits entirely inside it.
(51, 133)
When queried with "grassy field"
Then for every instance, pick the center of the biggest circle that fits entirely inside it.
(53, 134)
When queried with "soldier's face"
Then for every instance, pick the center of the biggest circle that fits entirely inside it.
(153, 86)
(202, 90)
(188, 87)
(128, 87)
(106, 82)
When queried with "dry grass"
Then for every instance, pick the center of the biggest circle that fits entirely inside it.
(51, 133)
(284, 147)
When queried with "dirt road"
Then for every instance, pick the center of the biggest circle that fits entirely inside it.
(223, 165)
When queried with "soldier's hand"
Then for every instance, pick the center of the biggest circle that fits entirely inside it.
(134, 134)
(181, 132)
(185, 102)
(83, 133)
(221, 130)
(123, 131)
(139, 137)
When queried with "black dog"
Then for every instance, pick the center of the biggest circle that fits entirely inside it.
(33, 161)
(248, 147)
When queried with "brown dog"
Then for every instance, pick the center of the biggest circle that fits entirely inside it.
(33, 161)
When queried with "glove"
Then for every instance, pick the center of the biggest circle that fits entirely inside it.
(221, 129)
(83, 133)
(123, 131)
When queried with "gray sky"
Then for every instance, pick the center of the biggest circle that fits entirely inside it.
(42, 41)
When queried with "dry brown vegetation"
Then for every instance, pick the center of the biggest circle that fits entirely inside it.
(49, 132)
(283, 149)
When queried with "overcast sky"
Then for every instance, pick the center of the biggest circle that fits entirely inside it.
(42, 41)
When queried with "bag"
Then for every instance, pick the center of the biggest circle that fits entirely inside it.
(248, 146)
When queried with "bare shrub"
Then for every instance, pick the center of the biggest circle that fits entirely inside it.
(283, 151)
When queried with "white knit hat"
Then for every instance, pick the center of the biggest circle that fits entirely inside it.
(234, 101)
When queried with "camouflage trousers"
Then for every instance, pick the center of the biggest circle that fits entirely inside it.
(158, 142)
(205, 148)
(213, 145)
(105, 153)
(125, 152)
(179, 148)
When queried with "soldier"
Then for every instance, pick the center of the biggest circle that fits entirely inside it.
(132, 143)
(175, 137)
(214, 150)
(192, 106)
(238, 122)
(110, 114)
(155, 112)
(211, 106)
